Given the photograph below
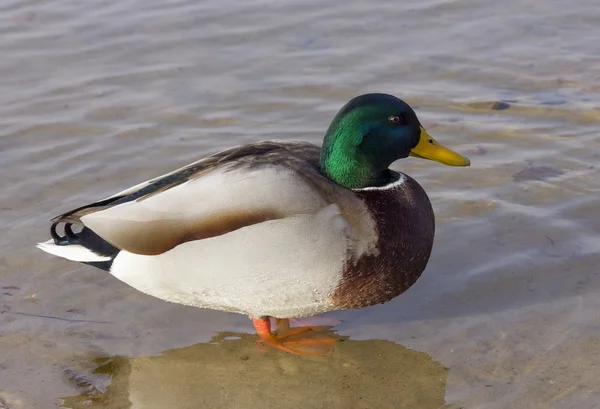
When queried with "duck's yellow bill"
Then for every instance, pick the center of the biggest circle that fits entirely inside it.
(429, 148)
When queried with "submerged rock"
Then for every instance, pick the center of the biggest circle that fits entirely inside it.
(537, 173)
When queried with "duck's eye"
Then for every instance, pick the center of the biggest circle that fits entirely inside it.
(396, 119)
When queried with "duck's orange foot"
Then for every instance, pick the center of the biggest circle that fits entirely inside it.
(297, 340)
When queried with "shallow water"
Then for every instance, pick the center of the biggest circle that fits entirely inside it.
(98, 96)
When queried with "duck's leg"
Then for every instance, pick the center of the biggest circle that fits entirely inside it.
(286, 340)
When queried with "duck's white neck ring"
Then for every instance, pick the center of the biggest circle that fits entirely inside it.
(399, 182)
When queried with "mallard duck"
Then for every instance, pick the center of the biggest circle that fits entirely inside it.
(275, 228)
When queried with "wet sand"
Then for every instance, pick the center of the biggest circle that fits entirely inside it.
(101, 96)
(231, 374)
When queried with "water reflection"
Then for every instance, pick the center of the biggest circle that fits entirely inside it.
(229, 373)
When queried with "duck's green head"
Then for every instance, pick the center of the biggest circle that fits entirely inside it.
(369, 133)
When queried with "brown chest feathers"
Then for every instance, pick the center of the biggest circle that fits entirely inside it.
(406, 226)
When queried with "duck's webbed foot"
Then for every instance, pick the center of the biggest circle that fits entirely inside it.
(305, 340)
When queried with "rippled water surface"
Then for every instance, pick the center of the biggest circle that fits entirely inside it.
(100, 95)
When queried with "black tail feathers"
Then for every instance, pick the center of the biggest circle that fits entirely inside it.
(88, 239)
